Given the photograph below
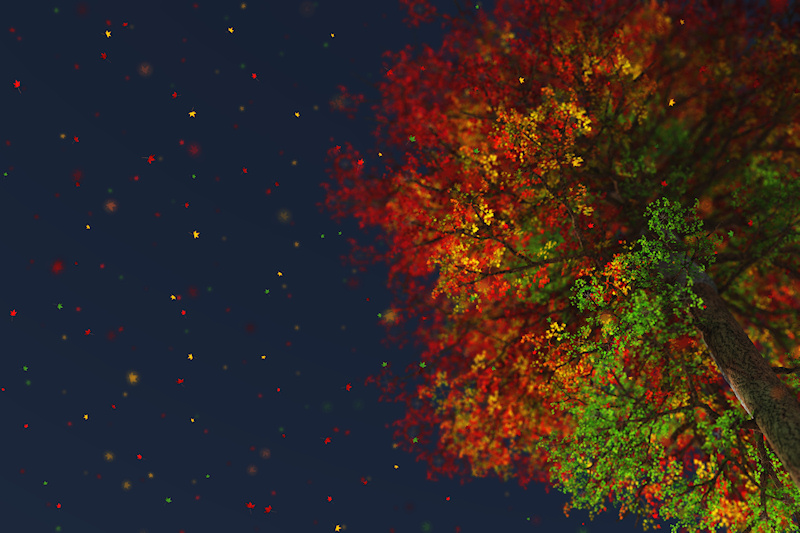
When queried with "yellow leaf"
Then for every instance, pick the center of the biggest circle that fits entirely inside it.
(230, 29)
(196, 234)
(193, 113)
(190, 357)
(671, 102)
(108, 34)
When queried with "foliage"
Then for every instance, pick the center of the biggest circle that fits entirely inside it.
(529, 201)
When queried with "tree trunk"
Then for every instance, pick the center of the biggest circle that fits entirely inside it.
(769, 401)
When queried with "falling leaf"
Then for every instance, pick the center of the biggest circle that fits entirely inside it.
(150, 159)
(244, 170)
(348, 386)
(75, 138)
(268, 509)
(193, 113)
(337, 528)
(196, 234)
(13, 312)
(108, 34)
(250, 505)
(168, 500)
(297, 114)
(190, 357)
(16, 86)
(230, 30)
(103, 55)
(671, 102)
(174, 95)
(253, 75)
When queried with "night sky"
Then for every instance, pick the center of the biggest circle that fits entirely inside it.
(179, 337)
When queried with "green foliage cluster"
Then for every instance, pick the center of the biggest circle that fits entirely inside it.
(618, 439)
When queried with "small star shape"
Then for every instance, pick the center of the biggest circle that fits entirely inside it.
(196, 234)
(193, 113)
(671, 102)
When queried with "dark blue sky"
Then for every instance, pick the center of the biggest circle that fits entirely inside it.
(95, 240)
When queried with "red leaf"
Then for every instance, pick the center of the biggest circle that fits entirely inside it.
(150, 159)
(250, 505)
(268, 509)
(16, 84)
(13, 312)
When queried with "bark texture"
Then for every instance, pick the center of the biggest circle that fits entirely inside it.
(769, 401)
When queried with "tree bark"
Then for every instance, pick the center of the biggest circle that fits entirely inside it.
(769, 401)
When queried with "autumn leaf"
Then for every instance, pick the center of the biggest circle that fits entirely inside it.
(268, 509)
(16, 86)
(108, 34)
(175, 95)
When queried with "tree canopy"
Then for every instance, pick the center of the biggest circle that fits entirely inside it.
(591, 210)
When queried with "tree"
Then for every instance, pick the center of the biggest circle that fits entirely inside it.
(593, 214)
